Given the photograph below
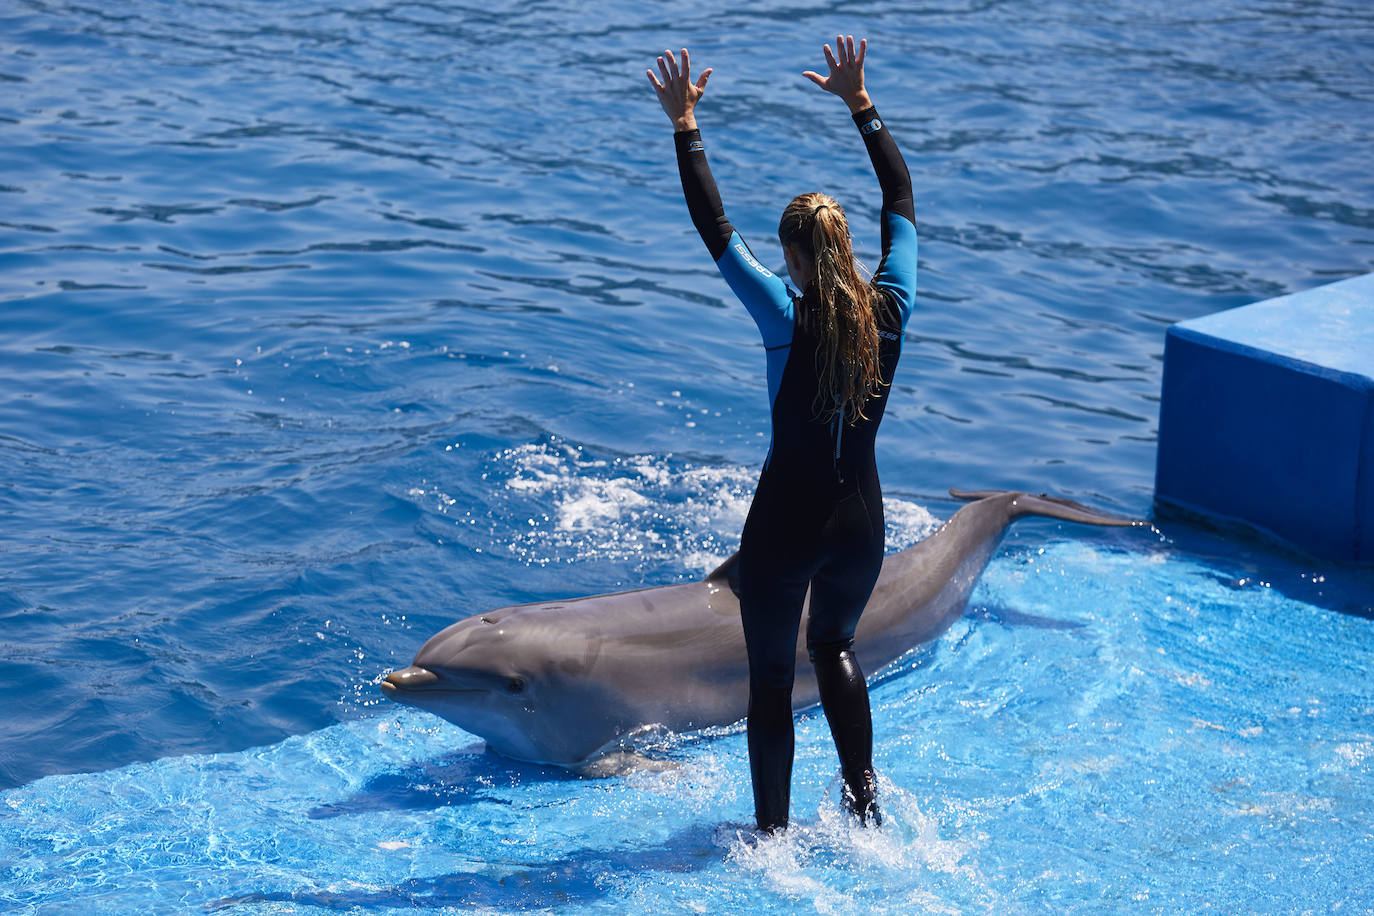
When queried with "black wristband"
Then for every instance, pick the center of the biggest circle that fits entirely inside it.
(688, 141)
(867, 120)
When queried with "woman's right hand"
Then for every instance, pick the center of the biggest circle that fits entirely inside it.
(677, 93)
(846, 77)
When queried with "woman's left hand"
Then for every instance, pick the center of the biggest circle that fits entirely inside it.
(846, 77)
(677, 93)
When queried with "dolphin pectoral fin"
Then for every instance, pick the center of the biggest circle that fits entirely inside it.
(412, 678)
(727, 572)
(623, 763)
(1050, 506)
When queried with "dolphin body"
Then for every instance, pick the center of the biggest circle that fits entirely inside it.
(565, 682)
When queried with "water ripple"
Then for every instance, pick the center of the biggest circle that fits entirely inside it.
(269, 268)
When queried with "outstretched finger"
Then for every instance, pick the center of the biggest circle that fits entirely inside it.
(814, 77)
(663, 68)
(830, 59)
(701, 81)
(863, 49)
(672, 63)
(653, 79)
(686, 66)
(840, 51)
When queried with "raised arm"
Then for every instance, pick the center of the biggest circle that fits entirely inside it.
(846, 80)
(763, 294)
(679, 96)
(897, 272)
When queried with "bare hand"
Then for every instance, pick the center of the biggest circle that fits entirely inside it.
(677, 93)
(846, 77)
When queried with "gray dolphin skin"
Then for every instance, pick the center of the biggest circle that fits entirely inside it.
(564, 682)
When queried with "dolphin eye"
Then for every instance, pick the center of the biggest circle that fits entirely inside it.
(515, 685)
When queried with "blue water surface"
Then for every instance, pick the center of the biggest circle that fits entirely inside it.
(325, 325)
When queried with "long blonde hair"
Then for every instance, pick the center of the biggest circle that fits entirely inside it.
(815, 227)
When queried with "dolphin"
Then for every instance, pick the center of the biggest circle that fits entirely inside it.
(566, 682)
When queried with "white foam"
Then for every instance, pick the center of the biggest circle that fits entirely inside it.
(907, 523)
(653, 509)
(648, 508)
(831, 862)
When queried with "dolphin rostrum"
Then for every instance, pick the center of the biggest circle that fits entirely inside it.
(563, 682)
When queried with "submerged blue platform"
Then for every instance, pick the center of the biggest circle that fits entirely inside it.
(1267, 417)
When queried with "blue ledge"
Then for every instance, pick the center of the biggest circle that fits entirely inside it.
(1267, 417)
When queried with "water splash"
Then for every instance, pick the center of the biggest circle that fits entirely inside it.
(650, 510)
(835, 865)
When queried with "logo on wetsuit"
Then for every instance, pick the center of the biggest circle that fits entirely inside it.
(889, 335)
(695, 147)
(749, 258)
(872, 127)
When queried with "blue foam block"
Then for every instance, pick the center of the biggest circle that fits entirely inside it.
(1267, 417)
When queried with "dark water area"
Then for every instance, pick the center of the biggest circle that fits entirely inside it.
(322, 326)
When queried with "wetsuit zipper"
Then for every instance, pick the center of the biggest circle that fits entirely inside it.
(838, 430)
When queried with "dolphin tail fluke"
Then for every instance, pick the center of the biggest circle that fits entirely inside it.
(971, 495)
(1051, 506)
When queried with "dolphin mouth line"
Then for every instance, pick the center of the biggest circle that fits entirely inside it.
(389, 688)
(387, 685)
(421, 680)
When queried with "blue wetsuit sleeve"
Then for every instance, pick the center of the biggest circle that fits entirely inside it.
(897, 271)
(762, 292)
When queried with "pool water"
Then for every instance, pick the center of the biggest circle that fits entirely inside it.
(1110, 729)
(327, 325)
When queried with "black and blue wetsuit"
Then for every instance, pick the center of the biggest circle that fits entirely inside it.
(817, 517)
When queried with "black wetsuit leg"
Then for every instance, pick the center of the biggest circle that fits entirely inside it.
(844, 697)
(775, 567)
(831, 543)
(839, 591)
(851, 558)
(771, 748)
